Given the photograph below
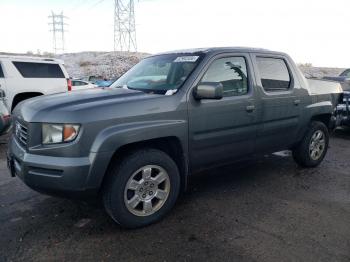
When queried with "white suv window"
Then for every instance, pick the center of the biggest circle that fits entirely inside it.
(39, 70)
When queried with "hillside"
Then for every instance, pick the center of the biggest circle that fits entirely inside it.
(104, 64)
(320, 72)
(114, 64)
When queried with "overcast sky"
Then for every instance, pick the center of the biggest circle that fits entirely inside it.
(314, 31)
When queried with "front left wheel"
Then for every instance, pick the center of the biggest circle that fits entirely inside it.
(142, 188)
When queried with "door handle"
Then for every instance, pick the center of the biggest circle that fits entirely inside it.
(296, 102)
(250, 108)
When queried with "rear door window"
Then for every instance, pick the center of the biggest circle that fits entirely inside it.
(274, 74)
(39, 70)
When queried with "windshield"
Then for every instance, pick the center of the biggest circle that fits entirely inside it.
(159, 74)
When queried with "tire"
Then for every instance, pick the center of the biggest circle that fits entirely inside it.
(131, 180)
(304, 153)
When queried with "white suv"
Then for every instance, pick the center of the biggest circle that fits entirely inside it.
(25, 77)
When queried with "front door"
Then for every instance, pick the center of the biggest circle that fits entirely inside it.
(223, 130)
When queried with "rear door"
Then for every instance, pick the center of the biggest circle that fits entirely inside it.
(223, 130)
(281, 102)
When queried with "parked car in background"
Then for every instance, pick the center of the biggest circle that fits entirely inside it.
(343, 79)
(92, 79)
(104, 83)
(5, 117)
(99, 81)
(173, 114)
(343, 109)
(345, 75)
(25, 77)
(80, 84)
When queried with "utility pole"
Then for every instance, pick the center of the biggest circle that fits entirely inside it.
(124, 26)
(57, 25)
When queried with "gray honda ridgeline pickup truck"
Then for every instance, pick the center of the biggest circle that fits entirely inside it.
(136, 143)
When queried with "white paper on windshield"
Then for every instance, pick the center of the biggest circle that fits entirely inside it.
(182, 59)
(170, 92)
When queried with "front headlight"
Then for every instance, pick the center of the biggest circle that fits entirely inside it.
(59, 133)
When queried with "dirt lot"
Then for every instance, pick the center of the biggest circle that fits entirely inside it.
(265, 210)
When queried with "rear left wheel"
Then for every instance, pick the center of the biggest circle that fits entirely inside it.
(142, 188)
(313, 148)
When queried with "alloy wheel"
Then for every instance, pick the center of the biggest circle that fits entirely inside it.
(147, 190)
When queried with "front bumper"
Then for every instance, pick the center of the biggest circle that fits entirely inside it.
(63, 176)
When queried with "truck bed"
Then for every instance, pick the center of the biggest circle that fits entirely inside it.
(320, 87)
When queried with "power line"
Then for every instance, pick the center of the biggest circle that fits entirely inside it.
(85, 4)
(79, 4)
(97, 3)
(57, 25)
(124, 26)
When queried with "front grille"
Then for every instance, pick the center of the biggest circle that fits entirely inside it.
(21, 132)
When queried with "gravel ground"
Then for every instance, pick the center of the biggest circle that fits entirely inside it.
(265, 210)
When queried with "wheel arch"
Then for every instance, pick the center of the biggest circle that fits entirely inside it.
(170, 145)
(325, 118)
(322, 111)
(23, 96)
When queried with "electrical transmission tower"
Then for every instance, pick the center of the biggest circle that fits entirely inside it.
(124, 26)
(57, 25)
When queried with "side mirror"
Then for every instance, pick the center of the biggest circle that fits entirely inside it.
(208, 90)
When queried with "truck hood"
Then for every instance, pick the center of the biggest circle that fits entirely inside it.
(65, 107)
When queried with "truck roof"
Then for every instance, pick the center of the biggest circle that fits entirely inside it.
(32, 58)
(221, 49)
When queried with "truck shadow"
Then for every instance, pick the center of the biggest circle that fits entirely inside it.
(223, 191)
(342, 132)
(244, 173)
(243, 176)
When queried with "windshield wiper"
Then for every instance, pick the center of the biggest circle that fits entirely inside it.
(149, 91)
(123, 86)
(132, 88)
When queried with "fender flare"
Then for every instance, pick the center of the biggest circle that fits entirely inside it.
(113, 138)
